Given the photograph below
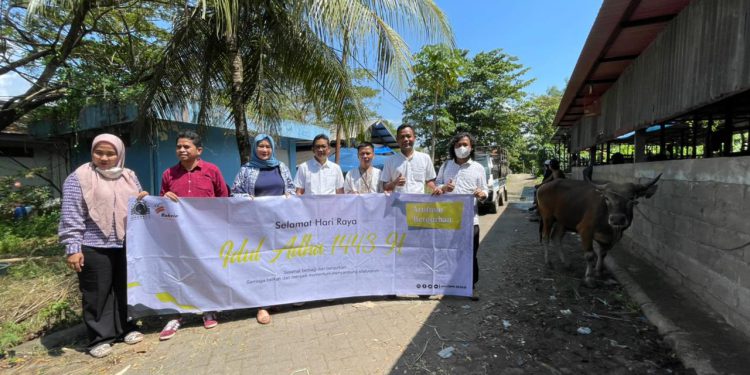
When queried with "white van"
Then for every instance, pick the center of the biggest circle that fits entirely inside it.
(495, 184)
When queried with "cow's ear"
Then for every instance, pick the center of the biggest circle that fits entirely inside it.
(648, 192)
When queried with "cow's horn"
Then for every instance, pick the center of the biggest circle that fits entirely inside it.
(647, 185)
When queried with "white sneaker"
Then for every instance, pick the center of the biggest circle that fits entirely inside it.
(133, 337)
(101, 350)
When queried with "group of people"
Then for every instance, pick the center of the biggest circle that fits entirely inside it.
(96, 194)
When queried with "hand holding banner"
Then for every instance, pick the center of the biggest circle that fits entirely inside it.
(213, 254)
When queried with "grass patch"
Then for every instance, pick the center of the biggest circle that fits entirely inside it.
(36, 297)
(33, 236)
(40, 295)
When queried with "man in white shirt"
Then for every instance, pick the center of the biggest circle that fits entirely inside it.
(462, 175)
(365, 178)
(318, 175)
(409, 170)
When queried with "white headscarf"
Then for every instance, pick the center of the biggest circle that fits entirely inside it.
(106, 192)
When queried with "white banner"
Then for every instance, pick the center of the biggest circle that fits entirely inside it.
(209, 254)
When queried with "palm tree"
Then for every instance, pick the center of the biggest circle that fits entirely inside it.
(245, 68)
(361, 27)
(244, 54)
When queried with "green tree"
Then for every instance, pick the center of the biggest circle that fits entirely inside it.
(538, 129)
(487, 101)
(14, 190)
(351, 124)
(241, 55)
(258, 48)
(214, 61)
(75, 53)
(436, 72)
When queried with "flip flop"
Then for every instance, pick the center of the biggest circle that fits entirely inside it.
(263, 316)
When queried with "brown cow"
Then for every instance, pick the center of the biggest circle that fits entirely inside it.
(598, 211)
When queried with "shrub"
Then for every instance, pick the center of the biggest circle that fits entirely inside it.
(12, 335)
(26, 194)
(36, 235)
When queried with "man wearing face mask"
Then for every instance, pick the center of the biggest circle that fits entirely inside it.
(462, 175)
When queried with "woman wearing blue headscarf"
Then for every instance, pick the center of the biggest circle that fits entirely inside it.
(263, 175)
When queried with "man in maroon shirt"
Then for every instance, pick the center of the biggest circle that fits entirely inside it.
(193, 178)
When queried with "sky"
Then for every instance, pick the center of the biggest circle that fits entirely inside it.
(546, 36)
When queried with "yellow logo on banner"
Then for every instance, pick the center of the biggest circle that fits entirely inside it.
(435, 215)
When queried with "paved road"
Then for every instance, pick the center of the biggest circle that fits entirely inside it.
(352, 336)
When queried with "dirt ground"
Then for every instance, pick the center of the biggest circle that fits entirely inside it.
(529, 317)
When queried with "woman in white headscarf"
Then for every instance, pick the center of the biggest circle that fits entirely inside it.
(92, 228)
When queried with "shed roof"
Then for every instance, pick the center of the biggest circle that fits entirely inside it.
(379, 134)
(623, 29)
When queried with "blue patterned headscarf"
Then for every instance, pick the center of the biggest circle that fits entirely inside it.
(255, 161)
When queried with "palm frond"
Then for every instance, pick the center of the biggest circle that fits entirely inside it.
(191, 61)
(379, 25)
(287, 53)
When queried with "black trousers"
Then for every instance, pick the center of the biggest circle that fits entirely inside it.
(103, 284)
(476, 250)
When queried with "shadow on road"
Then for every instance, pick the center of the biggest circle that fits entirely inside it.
(531, 319)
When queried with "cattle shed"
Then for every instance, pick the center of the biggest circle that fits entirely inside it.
(663, 86)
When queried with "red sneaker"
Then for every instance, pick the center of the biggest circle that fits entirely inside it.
(209, 320)
(170, 329)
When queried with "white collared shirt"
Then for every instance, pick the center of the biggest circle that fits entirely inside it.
(417, 170)
(319, 179)
(356, 183)
(466, 178)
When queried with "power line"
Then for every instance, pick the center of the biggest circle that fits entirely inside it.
(371, 76)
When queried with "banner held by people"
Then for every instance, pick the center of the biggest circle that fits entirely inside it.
(230, 253)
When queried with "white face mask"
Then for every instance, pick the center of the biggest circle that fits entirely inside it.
(111, 173)
(462, 152)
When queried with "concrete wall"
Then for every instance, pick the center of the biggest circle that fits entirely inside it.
(51, 156)
(696, 228)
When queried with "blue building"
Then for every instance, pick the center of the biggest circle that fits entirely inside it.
(149, 158)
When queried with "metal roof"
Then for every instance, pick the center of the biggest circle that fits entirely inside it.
(379, 134)
(623, 29)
